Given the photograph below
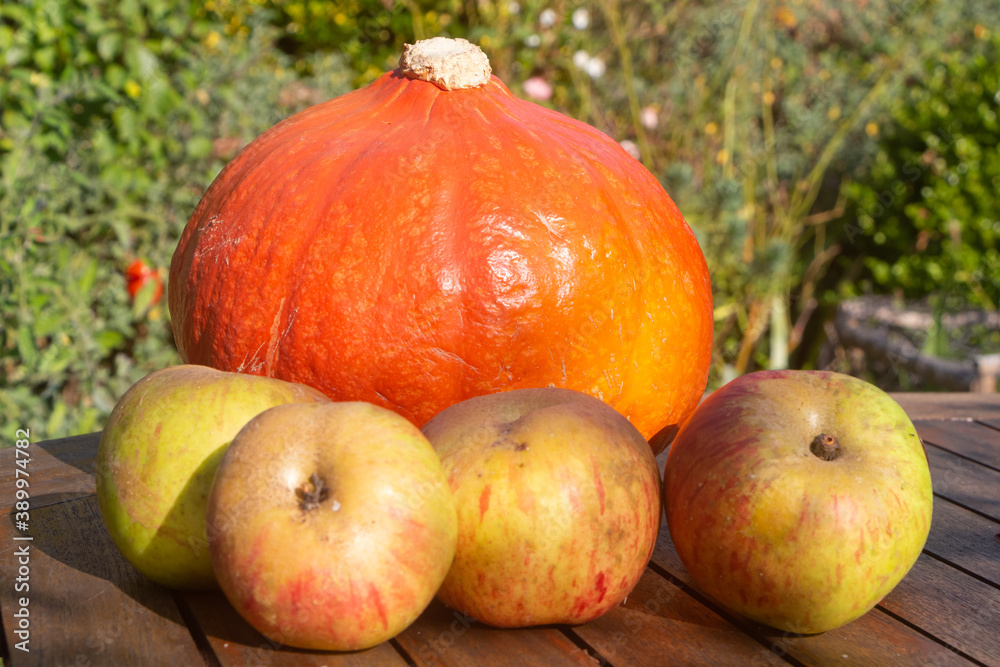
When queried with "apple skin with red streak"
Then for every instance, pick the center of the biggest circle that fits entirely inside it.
(330, 528)
(780, 534)
(558, 506)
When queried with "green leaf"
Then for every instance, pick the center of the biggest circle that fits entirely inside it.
(141, 61)
(109, 46)
(50, 322)
(15, 55)
(86, 283)
(56, 420)
(45, 58)
(199, 147)
(109, 340)
(144, 298)
(26, 346)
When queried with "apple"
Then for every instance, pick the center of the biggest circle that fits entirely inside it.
(158, 454)
(798, 499)
(331, 526)
(558, 499)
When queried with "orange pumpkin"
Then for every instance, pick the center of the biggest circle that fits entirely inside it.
(429, 238)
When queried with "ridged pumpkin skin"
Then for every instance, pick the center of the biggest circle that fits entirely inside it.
(412, 247)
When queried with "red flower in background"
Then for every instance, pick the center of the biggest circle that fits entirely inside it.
(138, 275)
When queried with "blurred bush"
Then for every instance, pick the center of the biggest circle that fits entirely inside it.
(753, 114)
(116, 116)
(775, 125)
(924, 211)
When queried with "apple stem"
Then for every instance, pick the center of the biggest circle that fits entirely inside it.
(825, 447)
(310, 498)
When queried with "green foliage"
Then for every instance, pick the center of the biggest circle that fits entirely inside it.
(116, 116)
(927, 208)
(750, 112)
(368, 34)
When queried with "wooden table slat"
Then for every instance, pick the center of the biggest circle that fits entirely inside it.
(443, 636)
(965, 539)
(867, 640)
(967, 439)
(876, 639)
(236, 644)
(89, 606)
(57, 471)
(957, 609)
(991, 422)
(965, 482)
(949, 405)
(660, 620)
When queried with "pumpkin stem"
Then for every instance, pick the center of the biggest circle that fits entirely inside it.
(451, 64)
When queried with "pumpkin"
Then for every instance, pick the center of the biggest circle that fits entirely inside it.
(429, 238)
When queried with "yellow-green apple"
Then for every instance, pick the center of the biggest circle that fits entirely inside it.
(798, 498)
(331, 526)
(558, 505)
(157, 457)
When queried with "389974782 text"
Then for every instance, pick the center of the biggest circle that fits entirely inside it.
(22, 550)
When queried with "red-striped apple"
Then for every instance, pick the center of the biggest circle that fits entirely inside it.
(331, 526)
(558, 501)
(798, 498)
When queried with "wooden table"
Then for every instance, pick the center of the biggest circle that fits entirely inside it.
(88, 606)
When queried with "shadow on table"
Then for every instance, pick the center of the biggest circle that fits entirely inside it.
(219, 625)
(78, 451)
(72, 535)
